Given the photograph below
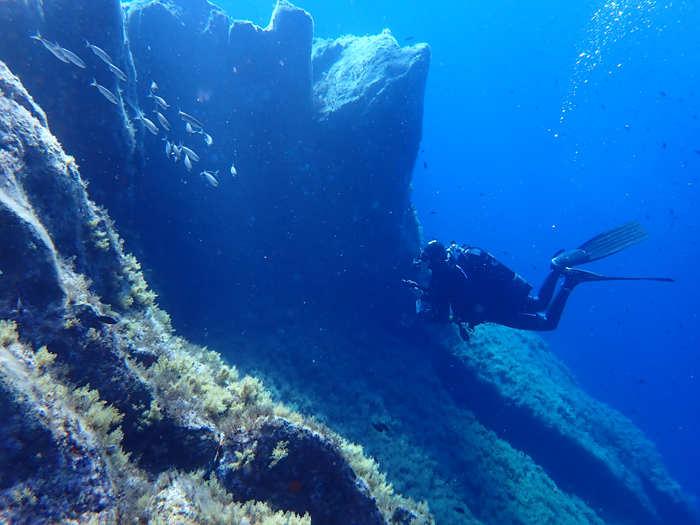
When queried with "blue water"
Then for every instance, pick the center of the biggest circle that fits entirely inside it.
(547, 123)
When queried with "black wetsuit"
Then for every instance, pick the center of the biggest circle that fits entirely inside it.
(479, 289)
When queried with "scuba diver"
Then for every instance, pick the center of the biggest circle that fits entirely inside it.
(468, 286)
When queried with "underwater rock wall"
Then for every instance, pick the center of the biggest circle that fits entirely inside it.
(44, 212)
(319, 203)
(323, 136)
(105, 416)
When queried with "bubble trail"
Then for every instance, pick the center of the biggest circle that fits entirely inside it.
(613, 21)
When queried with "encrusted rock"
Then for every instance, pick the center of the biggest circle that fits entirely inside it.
(52, 467)
(296, 469)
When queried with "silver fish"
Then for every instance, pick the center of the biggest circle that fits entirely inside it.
(190, 120)
(207, 139)
(177, 153)
(234, 171)
(211, 179)
(162, 103)
(117, 72)
(106, 93)
(150, 126)
(51, 47)
(163, 121)
(188, 163)
(154, 86)
(71, 56)
(99, 52)
(191, 154)
(168, 148)
(190, 129)
(19, 310)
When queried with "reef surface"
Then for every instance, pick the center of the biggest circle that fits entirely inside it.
(291, 269)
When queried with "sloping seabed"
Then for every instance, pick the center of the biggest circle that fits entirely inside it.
(291, 269)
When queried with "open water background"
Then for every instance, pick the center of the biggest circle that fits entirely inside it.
(545, 124)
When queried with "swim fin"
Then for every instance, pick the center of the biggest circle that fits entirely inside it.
(603, 245)
(577, 276)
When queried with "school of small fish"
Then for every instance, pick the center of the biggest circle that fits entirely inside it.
(67, 56)
(192, 125)
(179, 151)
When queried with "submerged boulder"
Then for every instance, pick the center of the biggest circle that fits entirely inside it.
(497, 429)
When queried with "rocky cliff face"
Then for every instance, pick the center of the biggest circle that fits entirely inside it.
(323, 136)
(291, 268)
(97, 400)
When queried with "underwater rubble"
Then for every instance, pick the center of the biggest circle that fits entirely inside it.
(290, 267)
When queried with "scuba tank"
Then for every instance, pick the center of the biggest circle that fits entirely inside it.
(485, 271)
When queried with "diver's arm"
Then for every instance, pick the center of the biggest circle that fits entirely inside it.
(418, 290)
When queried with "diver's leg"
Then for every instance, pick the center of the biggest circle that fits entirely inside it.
(544, 296)
(541, 322)
(547, 289)
(550, 319)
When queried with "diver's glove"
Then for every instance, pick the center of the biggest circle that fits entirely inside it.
(413, 286)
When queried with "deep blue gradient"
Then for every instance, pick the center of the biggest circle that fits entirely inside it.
(547, 123)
